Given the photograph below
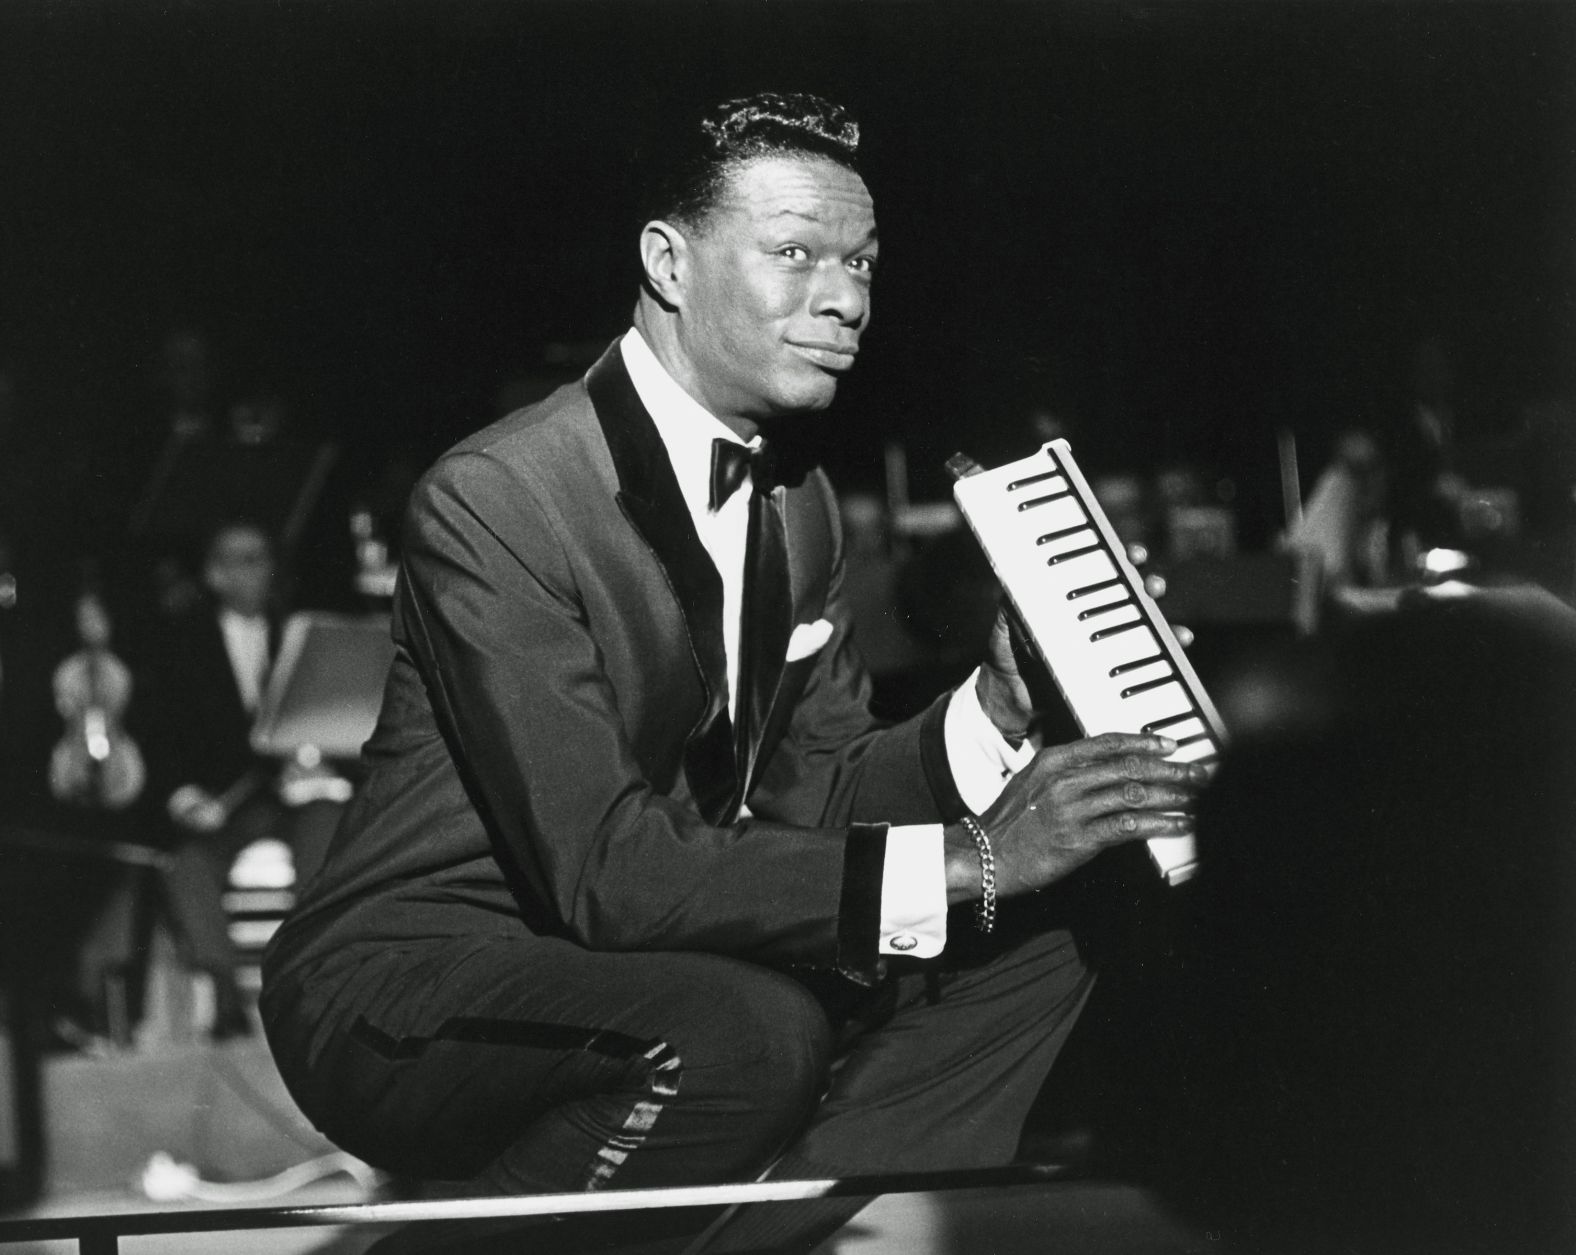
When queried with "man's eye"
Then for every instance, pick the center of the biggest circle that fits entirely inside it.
(794, 252)
(864, 265)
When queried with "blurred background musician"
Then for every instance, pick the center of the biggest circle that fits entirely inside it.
(216, 794)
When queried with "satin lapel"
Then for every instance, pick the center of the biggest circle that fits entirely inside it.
(650, 499)
(774, 611)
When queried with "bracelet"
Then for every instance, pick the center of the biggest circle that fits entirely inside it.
(985, 908)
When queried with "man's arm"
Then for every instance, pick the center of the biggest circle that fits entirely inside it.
(500, 632)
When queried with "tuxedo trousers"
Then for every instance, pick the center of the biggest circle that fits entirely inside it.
(536, 1067)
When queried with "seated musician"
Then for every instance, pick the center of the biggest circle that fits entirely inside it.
(635, 892)
(217, 795)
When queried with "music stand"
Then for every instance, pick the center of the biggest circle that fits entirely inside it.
(326, 687)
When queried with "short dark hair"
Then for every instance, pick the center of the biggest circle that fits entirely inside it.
(687, 186)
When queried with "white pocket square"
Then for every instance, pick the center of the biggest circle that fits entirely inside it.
(808, 638)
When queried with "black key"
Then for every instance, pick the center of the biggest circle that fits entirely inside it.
(1049, 497)
(1093, 588)
(1066, 531)
(1166, 723)
(1147, 685)
(1114, 631)
(1105, 609)
(1071, 554)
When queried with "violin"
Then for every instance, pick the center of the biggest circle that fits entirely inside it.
(96, 763)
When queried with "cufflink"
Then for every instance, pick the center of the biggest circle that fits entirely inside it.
(904, 942)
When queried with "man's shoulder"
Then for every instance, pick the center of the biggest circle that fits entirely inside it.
(546, 442)
(566, 414)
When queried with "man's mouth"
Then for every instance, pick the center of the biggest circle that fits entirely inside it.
(838, 357)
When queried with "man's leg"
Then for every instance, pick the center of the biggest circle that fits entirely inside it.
(942, 1085)
(308, 829)
(194, 882)
(527, 1067)
(106, 963)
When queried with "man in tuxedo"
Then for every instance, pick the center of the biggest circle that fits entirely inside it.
(636, 892)
(219, 796)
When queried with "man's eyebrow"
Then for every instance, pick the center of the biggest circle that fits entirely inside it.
(811, 216)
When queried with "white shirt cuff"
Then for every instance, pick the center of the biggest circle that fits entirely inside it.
(914, 892)
(981, 759)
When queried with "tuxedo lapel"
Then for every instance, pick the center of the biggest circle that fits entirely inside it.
(650, 498)
(212, 674)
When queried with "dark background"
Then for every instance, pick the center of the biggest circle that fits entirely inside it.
(1183, 225)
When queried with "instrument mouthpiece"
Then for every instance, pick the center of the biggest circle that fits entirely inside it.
(961, 466)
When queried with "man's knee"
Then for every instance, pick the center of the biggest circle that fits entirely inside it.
(761, 1059)
(735, 1077)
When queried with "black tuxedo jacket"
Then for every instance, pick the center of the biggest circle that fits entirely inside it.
(554, 755)
(198, 729)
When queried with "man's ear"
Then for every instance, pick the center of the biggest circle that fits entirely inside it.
(664, 256)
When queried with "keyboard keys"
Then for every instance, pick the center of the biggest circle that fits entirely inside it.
(1085, 608)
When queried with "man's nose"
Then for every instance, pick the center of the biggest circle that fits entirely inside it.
(838, 294)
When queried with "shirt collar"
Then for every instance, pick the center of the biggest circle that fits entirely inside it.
(239, 622)
(686, 427)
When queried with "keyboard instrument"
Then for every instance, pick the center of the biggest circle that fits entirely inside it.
(1084, 608)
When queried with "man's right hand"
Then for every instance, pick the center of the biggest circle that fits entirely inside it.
(1071, 802)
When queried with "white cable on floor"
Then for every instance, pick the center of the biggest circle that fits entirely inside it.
(166, 1180)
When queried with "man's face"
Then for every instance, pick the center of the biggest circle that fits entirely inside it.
(778, 290)
(240, 570)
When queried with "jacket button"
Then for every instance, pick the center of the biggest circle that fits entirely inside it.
(904, 942)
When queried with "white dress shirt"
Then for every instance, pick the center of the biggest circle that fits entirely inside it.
(246, 642)
(913, 883)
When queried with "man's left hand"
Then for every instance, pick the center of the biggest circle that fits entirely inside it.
(1003, 694)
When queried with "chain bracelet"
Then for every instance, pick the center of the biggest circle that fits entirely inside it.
(985, 908)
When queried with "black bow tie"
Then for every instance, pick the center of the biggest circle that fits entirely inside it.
(731, 462)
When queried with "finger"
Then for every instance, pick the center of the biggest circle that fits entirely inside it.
(1022, 648)
(1135, 782)
(1139, 826)
(1139, 768)
(1135, 795)
(1116, 755)
(1110, 746)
